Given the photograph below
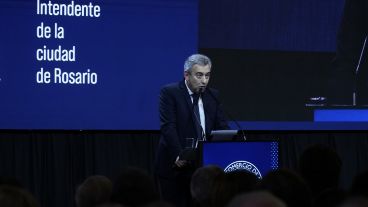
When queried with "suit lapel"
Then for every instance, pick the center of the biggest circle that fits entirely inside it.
(185, 93)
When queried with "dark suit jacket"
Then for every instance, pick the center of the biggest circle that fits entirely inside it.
(178, 122)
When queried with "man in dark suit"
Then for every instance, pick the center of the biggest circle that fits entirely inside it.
(188, 109)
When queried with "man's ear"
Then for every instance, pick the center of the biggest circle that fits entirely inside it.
(186, 75)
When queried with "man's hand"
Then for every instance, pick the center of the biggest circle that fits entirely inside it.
(180, 163)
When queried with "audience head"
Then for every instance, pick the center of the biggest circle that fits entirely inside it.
(93, 191)
(288, 186)
(242, 181)
(330, 198)
(232, 184)
(360, 185)
(320, 166)
(159, 204)
(202, 183)
(256, 199)
(11, 196)
(110, 205)
(134, 187)
(355, 202)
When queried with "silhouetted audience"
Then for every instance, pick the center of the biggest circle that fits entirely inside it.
(210, 186)
(11, 196)
(95, 190)
(320, 166)
(134, 187)
(359, 186)
(355, 202)
(288, 186)
(202, 184)
(332, 197)
(232, 184)
(256, 199)
(159, 204)
(111, 205)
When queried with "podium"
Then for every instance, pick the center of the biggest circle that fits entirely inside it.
(258, 157)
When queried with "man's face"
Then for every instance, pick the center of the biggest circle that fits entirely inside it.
(197, 78)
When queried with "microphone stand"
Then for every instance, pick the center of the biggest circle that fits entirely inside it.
(357, 70)
(229, 115)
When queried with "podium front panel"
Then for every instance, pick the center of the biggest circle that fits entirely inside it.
(256, 157)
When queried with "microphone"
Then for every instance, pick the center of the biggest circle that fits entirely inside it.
(228, 115)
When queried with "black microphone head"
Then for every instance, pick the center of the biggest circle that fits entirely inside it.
(201, 90)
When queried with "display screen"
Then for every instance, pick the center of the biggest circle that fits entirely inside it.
(271, 61)
(87, 64)
(99, 65)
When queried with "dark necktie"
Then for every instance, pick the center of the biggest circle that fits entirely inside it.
(197, 116)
